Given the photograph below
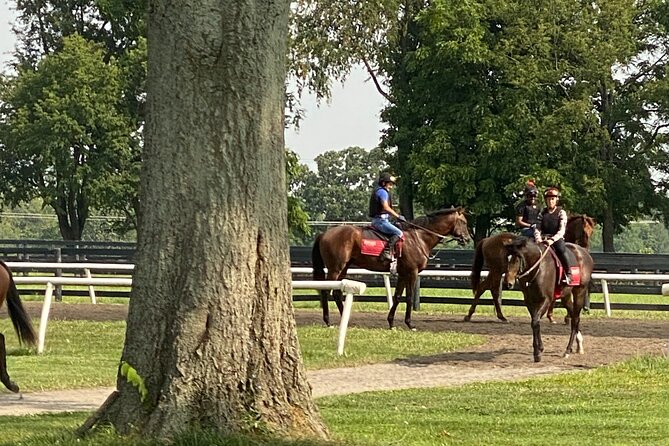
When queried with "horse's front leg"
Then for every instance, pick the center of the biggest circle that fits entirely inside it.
(4, 376)
(537, 309)
(396, 301)
(411, 287)
(575, 313)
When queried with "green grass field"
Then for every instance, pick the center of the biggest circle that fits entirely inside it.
(623, 404)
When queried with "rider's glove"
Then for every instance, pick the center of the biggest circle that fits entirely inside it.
(401, 218)
(533, 226)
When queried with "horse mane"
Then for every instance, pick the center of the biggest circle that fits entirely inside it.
(424, 220)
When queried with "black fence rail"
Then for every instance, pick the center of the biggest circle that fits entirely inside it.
(300, 256)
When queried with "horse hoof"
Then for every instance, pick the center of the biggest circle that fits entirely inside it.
(503, 319)
(468, 318)
(551, 321)
(565, 355)
(537, 359)
(12, 387)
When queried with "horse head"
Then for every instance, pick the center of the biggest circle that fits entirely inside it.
(519, 259)
(461, 227)
(580, 229)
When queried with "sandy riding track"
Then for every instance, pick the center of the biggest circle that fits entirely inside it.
(506, 356)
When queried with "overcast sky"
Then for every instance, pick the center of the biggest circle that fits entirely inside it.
(350, 119)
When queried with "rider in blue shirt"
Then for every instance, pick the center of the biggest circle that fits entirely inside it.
(380, 210)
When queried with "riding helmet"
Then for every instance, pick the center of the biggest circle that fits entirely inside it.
(552, 192)
(531, 190)
(386, 178)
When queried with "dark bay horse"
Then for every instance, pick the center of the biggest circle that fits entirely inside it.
(338, 248)
(20, 320)
(536, 274)
(491, 252)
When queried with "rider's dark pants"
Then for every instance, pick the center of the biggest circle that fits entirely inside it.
(561, 250)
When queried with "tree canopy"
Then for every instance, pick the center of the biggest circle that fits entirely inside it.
(64, 139)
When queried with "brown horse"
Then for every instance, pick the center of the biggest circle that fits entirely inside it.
(491, 251)
(537, 275)
(20, 320)
(339, 248)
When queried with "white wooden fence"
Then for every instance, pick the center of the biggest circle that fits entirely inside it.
(347, 286)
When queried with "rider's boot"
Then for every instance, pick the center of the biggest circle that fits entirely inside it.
(391, 245)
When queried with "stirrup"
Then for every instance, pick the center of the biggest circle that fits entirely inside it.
(393, 266)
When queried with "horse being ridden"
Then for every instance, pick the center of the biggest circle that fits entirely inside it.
(536, 273)
(20, 320)
(491, 252)
(340, 247)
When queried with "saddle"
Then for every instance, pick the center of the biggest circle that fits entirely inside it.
(575, 275)
(374, 242)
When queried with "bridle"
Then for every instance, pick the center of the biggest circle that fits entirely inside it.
(429, 231)
(533, 267)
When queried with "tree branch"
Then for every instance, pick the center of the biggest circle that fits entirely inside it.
(376, 81)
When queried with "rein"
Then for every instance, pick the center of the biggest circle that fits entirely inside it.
(533, 267)
(431, 232)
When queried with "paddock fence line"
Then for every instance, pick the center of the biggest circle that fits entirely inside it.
(604, 279)
(346, 286)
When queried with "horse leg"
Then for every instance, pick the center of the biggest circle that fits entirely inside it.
(493, 283)
(575, 312)
(410, 286)
(325, 295)
(549, 315)
(497, 299)
(337, 295)
(4, 376)
(536, 312)
(399, 288)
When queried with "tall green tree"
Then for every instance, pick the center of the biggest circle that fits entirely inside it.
(63, 137)
(329, 38)
(340, 190)
(118, 29)
(556, 91)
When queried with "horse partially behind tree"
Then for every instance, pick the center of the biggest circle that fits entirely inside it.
(20, 320)
(537, 275)
(339, 248)
(491, 252)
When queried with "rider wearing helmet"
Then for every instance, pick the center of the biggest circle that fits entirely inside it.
(528, 211)
(380, 210)
(551, 226)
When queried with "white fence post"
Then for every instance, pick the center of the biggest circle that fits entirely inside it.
(45, 317)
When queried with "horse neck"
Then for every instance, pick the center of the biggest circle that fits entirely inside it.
(442, 225)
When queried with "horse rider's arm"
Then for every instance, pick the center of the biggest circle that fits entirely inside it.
(537, 229)
(520, 223)
(563, 226)
(386, 207)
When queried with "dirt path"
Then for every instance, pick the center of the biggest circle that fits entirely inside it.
(506, 356)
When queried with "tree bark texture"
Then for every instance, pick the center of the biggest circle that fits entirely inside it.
(210, 327)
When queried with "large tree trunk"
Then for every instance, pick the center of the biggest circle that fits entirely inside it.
(608, 230)
(210, 327)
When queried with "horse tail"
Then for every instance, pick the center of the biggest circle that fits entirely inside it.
(22, 324)
(317, 260)
(477, 266)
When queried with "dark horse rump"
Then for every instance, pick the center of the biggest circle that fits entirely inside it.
(340, 247)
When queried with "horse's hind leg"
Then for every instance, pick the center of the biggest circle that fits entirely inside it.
(4, 376)
(410, 286)
(497, 298)
(337, 295)
(399, 288)
(325, 294)
(577, 304)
